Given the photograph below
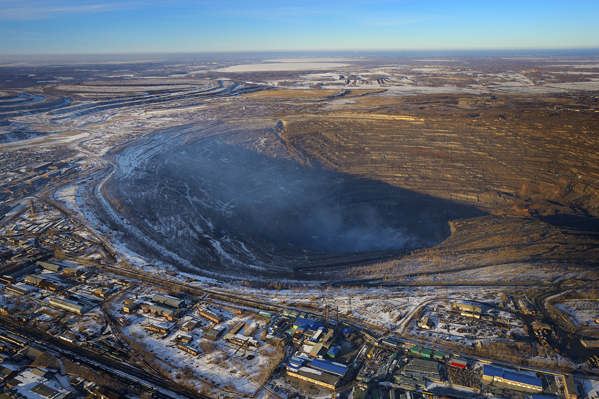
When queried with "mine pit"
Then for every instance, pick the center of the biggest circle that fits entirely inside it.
(228, 204)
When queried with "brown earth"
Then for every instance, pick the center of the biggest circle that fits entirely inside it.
(531, 164)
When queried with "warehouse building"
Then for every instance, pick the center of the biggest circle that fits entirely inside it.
(337, 369)
(188, 349)
(130, 306)
(73, 272)
(409, 382)
(301, 368)
(570, 387)
(465, 307)
(49, 266)
(42, 283)
(589, 343)
(50, 286)
(168, 300)
(240, 339)
(170, 314)
(156, 328)
(315, 377)
(213, 317)
(21, 289)
(214, 333)
(102, 292)
(383, 342)
(238, 327)
(496, 374)
(422, 368)
(23, 271)
(186, 339)
(190, 325)
(251, 330)
(67, 305)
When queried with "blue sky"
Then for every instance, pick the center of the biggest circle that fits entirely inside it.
(142, 26)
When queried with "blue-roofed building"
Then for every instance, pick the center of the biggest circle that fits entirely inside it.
(346, 332)
(317, 335)
(297, 361)
(334, 351)
(304, 324)
(329, 367)
(496, 374)
(532, 396)
(315, 326)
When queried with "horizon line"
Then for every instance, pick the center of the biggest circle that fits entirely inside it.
(129, 53)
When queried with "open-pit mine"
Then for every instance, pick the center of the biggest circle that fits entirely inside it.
(369, 170)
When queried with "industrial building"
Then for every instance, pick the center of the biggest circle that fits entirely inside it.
(170, 314)
(496, 374)
(465, 307)
(188, 349)
(49, 266)
(237, 327)
(570, 387)
(214, 333)
(589, 342)
(319, 372)
(34, 383)
(385, 341)
(240, 339)
(251, 330)
(21, 289)
(167, 300)
(186, 339)
(155, 328)
(42, 283)
(190, 325)
(74, 272)
(307, 326)
(67, 305)
(130, 306)
(424, 368)
(213, 317)
(102, 292)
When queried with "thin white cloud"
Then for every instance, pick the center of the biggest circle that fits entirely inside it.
(11, 10)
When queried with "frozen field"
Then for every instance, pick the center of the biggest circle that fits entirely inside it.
(582, 312)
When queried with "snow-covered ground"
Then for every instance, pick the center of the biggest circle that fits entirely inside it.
(584, 313)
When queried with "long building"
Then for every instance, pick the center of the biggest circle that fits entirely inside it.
(167, 300)
(169, 313)
(216, 318)
(240, 339)
(466, 307)
(570, 387)
(67, 305)
(496, 374)
(317, 374)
